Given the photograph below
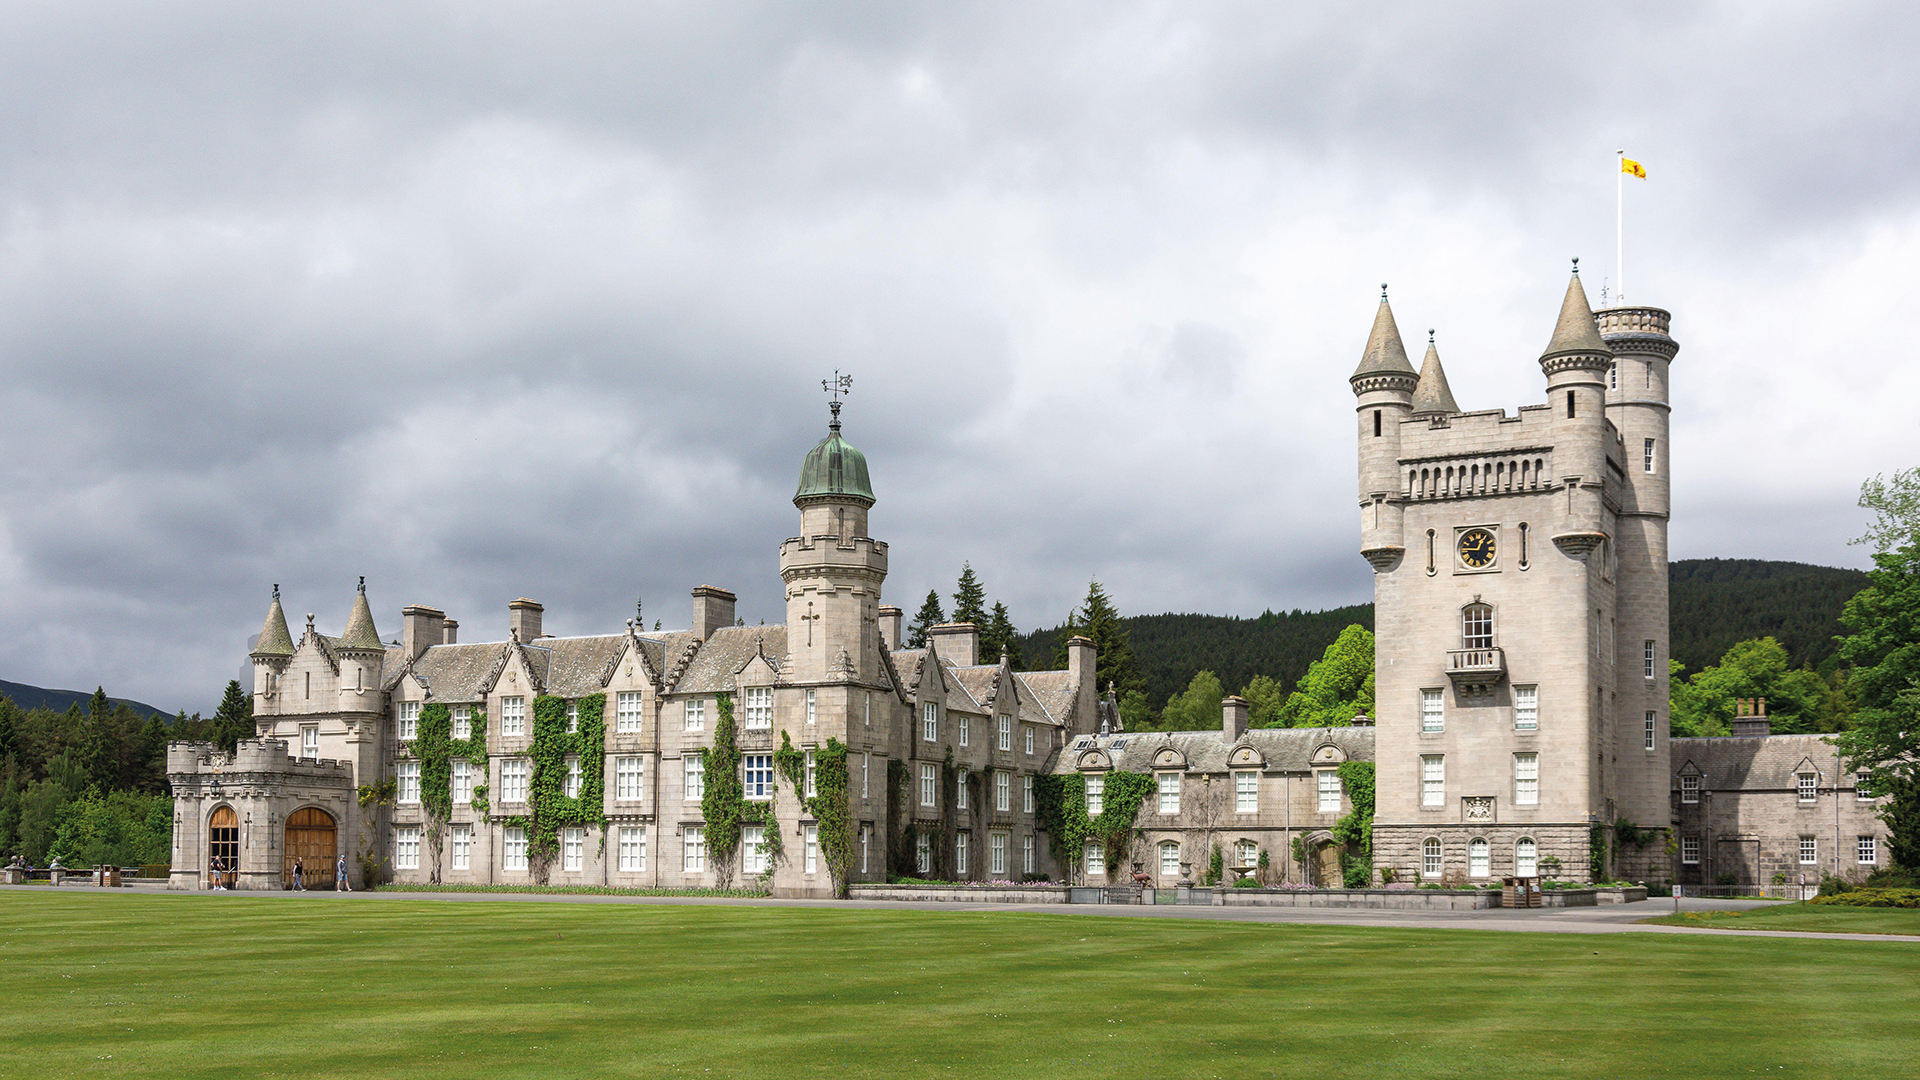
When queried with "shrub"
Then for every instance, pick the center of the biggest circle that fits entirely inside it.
(1247, 883)
(1834, 886)
(1893, 877)
(1879, 898)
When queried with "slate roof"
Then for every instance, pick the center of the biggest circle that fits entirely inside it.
(1290, 749)
(360, 633)
(457, 672)
(391, 665)
(1052, 691)
(1385, 354)
(725, 653)
(978, 682)
(573, 667)
(275, 639)
(1433, 395)
(909, 662)
(1753, 762)
(1576, 331)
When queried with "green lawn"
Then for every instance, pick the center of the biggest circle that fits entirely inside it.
(1824, 918)
(112, 984)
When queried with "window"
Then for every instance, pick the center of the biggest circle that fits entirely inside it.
(1433, 780)
(1430, 857)
(1003, 791)
(463, 721)
(461, 780)
(1569, 404)
(1026, 730)
(1646, 455)
(1433, 715)
(1806, 784)
(626, 779)
(1169, 793)
(1646, 734)
(1249, 853)
(514, 848)
(1006, 733)
(1862, 788)
(758, 780)
(1613, 375)
(1526, 779)
(811, 708)
(753, 849)
(693, 853)
(866, 706)
(1376, 423)
(1026, 794)
(626, 712)
(696, 777)
(1478, 865)
(406, 847)
(929, 785)
(1690, 850)
(929, 722)
(409, 782)
(759, 707)
(633, 848)
(573, 717)
(409, 720)
(572, 783)
(1026, 854)
(573, 848)
(961, 868)
(1526, 858)
(960, 795)
(1866, 851)
(866, 761)
(696, 715)
(513, 716)
(1246, 792)
(1096, 795)
(1809, 850)
(810, 848)
(866, 845)
(1523, 545)
(1689, 789)
(811, 777)
(513, 780)
(463, 847)
(1169, 859)
(966, 729)
(997, 854)
(310, 743)
(1329, 791)
(923, 853)
(1096, 859)
(1476, 627)
(1430, 567)
(1526, 708)
(1647, 658)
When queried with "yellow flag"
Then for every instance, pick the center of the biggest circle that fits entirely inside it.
(1628, 165)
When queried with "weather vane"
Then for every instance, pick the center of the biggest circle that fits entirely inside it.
(838, 385)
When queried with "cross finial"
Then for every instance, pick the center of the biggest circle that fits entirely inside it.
(836, 386)
(363, 583)
(276, 591)
(639, 612)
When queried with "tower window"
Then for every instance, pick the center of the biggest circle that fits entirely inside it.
(1376, 423)
(1613, 375)
(1569, 404)
(1430, 570)
(1476, 627)
(1646, 456)
(1523, 545)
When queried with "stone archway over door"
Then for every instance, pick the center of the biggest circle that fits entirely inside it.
(311, 838)
(223, 843)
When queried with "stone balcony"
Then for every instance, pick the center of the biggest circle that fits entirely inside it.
(1476, 669)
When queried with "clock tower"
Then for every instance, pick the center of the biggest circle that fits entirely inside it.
(1520, 587)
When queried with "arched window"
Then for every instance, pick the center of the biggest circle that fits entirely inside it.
(1249, 853)
(1430, 568)
(1169, 859)
(1476, 627)
(1526, 857)
(1478, 864)
(1430, 857)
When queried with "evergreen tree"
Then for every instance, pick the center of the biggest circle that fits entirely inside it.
(97, 743)
(1000, 637)
(970, 599)
(233, 720)
(928, 616)
(1096, 618)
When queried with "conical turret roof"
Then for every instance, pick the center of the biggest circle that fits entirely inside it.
(1385, 354)
(360, 633)
(1433, 395)
(275, 640)
(1575, 332)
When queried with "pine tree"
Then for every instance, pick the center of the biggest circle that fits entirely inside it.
(233, 720)
(96, 742)
(970, 599)
(1000, 637)
(1097, 619)
(929, 615)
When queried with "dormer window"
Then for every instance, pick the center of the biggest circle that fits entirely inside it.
(1689, 789)
(1806, 785)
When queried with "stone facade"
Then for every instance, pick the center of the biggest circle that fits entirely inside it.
(259, 788)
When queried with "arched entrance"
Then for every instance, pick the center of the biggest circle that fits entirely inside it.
(1326, 865)
(310, 839)
(223, 848)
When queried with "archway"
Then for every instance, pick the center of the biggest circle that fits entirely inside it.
(223, 848)
(311, 839)
(1326, 865)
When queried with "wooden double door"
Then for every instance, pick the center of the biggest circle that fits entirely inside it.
(312, 839)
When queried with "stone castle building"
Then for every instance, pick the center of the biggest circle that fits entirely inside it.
(1521, 677)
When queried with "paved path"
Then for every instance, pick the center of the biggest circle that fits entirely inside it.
(1608, 919)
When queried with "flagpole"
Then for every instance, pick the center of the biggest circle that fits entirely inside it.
(1620, 226)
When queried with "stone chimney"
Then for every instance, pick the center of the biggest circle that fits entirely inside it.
(1750, 717)
(957, 643)
(1081, 662)
(420, 628)
(1233, 718)
(452, 631)
(890, 627)
(1361, 720)
(523, 619)
(712, 609)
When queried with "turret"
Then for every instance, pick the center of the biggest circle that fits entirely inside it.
(833, 570)
(359, 651)
(1433, 397)
(1576, 361)
(271, 652)
(1384, 385)
(1637, 398)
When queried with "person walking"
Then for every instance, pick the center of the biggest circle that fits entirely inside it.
(297, 868)
(219, 875)
(340, 874)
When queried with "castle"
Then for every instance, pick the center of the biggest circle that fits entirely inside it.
(1520, 570)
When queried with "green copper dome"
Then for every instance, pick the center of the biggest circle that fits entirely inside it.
(834, 467)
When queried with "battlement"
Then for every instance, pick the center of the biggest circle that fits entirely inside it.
(249, 755)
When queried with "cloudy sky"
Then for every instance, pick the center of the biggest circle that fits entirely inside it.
(491, 300)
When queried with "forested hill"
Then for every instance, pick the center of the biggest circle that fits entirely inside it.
(34, 697)
(1714, 603)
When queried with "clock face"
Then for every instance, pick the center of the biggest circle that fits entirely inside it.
(1476, 548)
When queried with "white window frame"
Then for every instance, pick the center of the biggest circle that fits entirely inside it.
(1096, 859)
(406, 847)
(408, 728)
(966, 731)
(462, 722)
(1526, 708)
(1328, 786)
(1866, 850)
(629, 779)
(1861, 785)
(809, 849)
(573, 850)
(929, 785)
(1433, 781)
(1690, 850)
(1806, 787)
(811, 776)
(756, 777)
(628, 717)
(1026, 853)
(866, 762)
(866, 846)
(513, 715)
(1526, 857)
(1647, 660)
(812, 708)
(693, 712)
(633, 848)
(1096, 794)
(513, 849)
(1026, 731)
(1647, 733)
(1809, 850)
(573, 717)
(693, 850)
(460, 780)
(310, 743)
(1168, 784)
(1002, 791)
(407, 783)
(997, 854)
(1169, 858)
(923, 853)
(962, 864)
(759, 708)
(1433, 710)
(1526, 779)
(514, 773)
(1479, 858)
(753, 849)
(570, 786)
(1006, 732)
(929, 722)
(1646, 455)
(1249, 853)
(695, 767)
(1432, 857)
(1689, 788)
(461, 857)
(960, 791)
(1026, 793)
(1246, 792)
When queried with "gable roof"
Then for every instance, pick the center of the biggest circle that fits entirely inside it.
(1052, 693)
(715, 662)
(1755, 762)
(1288, 749)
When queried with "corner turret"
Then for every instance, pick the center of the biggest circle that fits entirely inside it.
(1575, 362)
(1384, 385)
(1433, 397)
(360, 654)
(271, 652)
